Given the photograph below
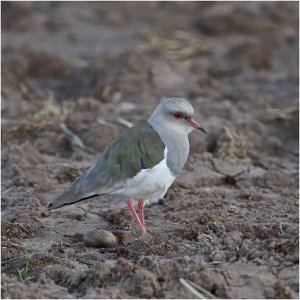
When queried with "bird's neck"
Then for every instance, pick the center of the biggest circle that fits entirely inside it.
(177, 144)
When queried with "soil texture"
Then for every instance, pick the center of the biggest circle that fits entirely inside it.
(77, 74)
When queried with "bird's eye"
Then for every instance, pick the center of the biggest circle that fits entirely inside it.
(178, 115)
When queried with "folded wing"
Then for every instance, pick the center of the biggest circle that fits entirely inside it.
(140, 147)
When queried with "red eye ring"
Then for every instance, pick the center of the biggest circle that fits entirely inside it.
(178, 115)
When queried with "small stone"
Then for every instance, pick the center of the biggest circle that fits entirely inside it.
(100, 239)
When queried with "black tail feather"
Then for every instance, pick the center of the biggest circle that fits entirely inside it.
(69, 203)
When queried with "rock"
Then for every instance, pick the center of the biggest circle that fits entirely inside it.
(100, 239)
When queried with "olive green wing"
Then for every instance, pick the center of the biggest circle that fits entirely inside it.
(138, 148)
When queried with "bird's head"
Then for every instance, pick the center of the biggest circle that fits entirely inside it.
(178, 112)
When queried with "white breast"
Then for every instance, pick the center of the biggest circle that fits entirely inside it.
(148, 184)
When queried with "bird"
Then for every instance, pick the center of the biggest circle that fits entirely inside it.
(140, 165)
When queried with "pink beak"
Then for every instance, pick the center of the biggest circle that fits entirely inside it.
(196, 125)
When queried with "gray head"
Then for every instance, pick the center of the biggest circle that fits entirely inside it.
(175, 113)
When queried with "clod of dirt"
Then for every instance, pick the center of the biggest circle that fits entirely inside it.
(20, 225)
(282, 291)
(101, 273)
(46, 288)
(18, 16)
(105, 293)
(41, 64)
(11, 248)
(124, 267)
(277, 179)
(66, 277)
(100, 239)
(217, 256)
(218, 20)
(232, 239)
(261, 58)
(117, 216)
(142, 284)
(213, 281)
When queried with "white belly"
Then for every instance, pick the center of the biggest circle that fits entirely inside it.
(148, 184)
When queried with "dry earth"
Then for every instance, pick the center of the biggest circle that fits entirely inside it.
(229, 223)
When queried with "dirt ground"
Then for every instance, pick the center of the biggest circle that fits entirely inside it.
(229, 223)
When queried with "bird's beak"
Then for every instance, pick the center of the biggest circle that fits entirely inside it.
(196, 125)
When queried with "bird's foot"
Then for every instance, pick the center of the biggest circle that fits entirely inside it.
(136, 217)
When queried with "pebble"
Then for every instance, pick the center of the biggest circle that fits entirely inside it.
(100, 239)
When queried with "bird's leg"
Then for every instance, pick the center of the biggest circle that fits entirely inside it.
(136, 217)
(141, 211)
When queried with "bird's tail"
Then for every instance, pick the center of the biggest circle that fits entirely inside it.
(70, 196)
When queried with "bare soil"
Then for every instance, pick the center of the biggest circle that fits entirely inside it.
(229, 223)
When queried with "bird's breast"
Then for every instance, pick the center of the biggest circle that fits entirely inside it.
(177, 155)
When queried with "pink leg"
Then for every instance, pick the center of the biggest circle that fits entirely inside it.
(136, 217)
(141, 211)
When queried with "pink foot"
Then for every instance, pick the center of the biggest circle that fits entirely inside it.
(136, 217)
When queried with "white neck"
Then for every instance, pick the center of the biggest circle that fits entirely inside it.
(175, 139)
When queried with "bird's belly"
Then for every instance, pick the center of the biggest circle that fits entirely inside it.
(148, 184)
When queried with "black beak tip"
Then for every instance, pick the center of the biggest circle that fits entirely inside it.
(203, 130)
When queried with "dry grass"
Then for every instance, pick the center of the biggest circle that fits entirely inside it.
(196, 290)
(49, 115)
(287, 113)
(76, 142)
(231, 145)
(180, 45)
